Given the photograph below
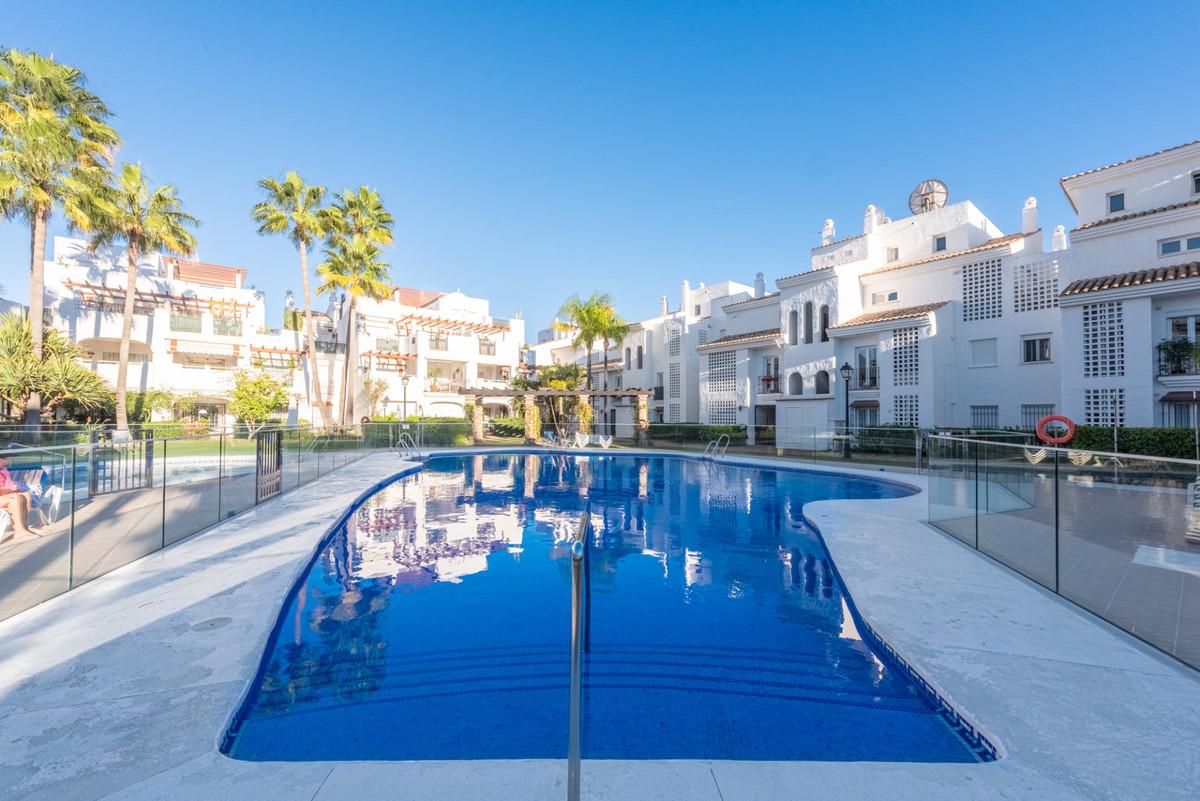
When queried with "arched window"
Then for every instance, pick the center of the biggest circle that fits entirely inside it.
(793, 328)
(628, 360)
(822, 383)
(824, 323)
(639, 357)
(808, 322)
(795, 384)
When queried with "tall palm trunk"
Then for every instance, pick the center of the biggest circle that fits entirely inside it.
(605, 426)
(346, 396)
(313, 372)
(587, 380)
(37, 293)
(126, 336)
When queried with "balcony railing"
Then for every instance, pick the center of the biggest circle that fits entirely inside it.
(227, 327)
(329, 346)
(1178, 365)
(768, 384)
(188, 323)
(865, 379)
(658, 393)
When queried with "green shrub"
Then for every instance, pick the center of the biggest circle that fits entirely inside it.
(1176, 443)
(691, 432)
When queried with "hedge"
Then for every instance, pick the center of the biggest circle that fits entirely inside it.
(1176, 443)
(690, 432)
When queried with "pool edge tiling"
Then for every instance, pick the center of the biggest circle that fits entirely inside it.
(790, 480)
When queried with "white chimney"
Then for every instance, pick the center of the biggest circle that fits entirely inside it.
(828, 234)
(760, 285)
(663, 308)
(872, 218)
(1029, 216)
(685, 289)
(1059, 240)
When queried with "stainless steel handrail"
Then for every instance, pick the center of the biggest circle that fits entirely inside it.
(574, 716)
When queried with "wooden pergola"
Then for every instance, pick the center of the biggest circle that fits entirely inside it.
(531, 395)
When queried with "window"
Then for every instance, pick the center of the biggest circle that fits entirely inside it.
(1101, 407)
(722, 413)
(795, 384)
(639, 357)
(893, 254)
(906, 410)
(389, 344)
(487, 347)
(866, 417)
(1116, 202)
(1169, 247)
(866, 367)
(1035, 348)
(824, 323)
(981, 290)
(905, 356)
(115, 356)
(808, 322)
(673, 341)
(722, 371)
(673, 381)
(1035, 286)
(982, 352)
(628, 359)
(439, 342)
(793, 327)
(702, 336)
(939, 243)
(1177, 415)
(1196, 183)
(821, 383)
(887, 296)
(985, 417)
(1031, 413)
(697, 310)
(1103, 340)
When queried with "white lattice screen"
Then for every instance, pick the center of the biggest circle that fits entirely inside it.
(722, 371)
(673, 380)
(1035, 286)
(906, 410)
(673, 338)
(722, 413)
(906, 368)
(672, 412)
(1103, 339)
(981, 290)
(1102, 406)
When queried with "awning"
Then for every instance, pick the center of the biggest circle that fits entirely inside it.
(1181, 396)
(864, 404)
(202, 348)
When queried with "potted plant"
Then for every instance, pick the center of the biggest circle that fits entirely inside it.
(1176, 356)
(434, 374)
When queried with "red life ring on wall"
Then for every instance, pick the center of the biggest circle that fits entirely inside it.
(1052, 439)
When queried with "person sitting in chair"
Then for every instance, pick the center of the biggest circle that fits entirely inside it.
(15, 501)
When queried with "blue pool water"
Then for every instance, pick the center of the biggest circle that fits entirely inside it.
(435, 623)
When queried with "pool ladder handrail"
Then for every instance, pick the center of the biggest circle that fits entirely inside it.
(406, 446)
(574, 712)
(717, 447)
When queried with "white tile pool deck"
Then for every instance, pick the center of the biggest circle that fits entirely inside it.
(123, 688)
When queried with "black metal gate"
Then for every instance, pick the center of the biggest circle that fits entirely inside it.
(268, 464)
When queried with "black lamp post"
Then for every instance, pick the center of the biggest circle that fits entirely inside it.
(846, 370)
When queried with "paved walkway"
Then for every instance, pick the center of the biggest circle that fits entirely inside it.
(121, 690)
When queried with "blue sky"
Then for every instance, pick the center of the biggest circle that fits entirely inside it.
(531, 150)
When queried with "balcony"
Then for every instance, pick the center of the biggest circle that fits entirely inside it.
(186, 323)
(865, 378)
(227, 326)
(329, 346)
(658, 393)
(1178, 357)
(768, 385)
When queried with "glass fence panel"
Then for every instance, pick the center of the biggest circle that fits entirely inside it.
(1130, 545)
(1015, 497)
(237, 474)
(118, 506)
(36, 566)
(289, 470)
(953, 488)
(193, 486)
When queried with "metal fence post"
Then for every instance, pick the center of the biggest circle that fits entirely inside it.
(164, 495)
(71, 527)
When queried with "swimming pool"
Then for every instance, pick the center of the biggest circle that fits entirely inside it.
(433, 624)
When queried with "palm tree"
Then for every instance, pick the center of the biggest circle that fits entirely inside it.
(293, 207)
(357, 214)
(611, 329)
(352, 265)
(587, 316)
(146, 219)
(51, 127)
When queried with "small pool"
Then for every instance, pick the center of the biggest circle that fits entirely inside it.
(434, 624)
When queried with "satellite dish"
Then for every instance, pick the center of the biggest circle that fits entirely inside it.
(928, 195)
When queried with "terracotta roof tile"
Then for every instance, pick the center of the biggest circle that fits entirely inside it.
(732, 339)
(1135, 214)
(1130, 161)
(1155, 275)
(950, 254)
(887, 315)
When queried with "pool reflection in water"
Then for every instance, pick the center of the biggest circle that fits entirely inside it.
(434, 625)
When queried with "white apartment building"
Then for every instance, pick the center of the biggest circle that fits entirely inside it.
(196, 324)
(1132, 287)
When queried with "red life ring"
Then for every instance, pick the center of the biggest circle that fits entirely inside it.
(1051, 439)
